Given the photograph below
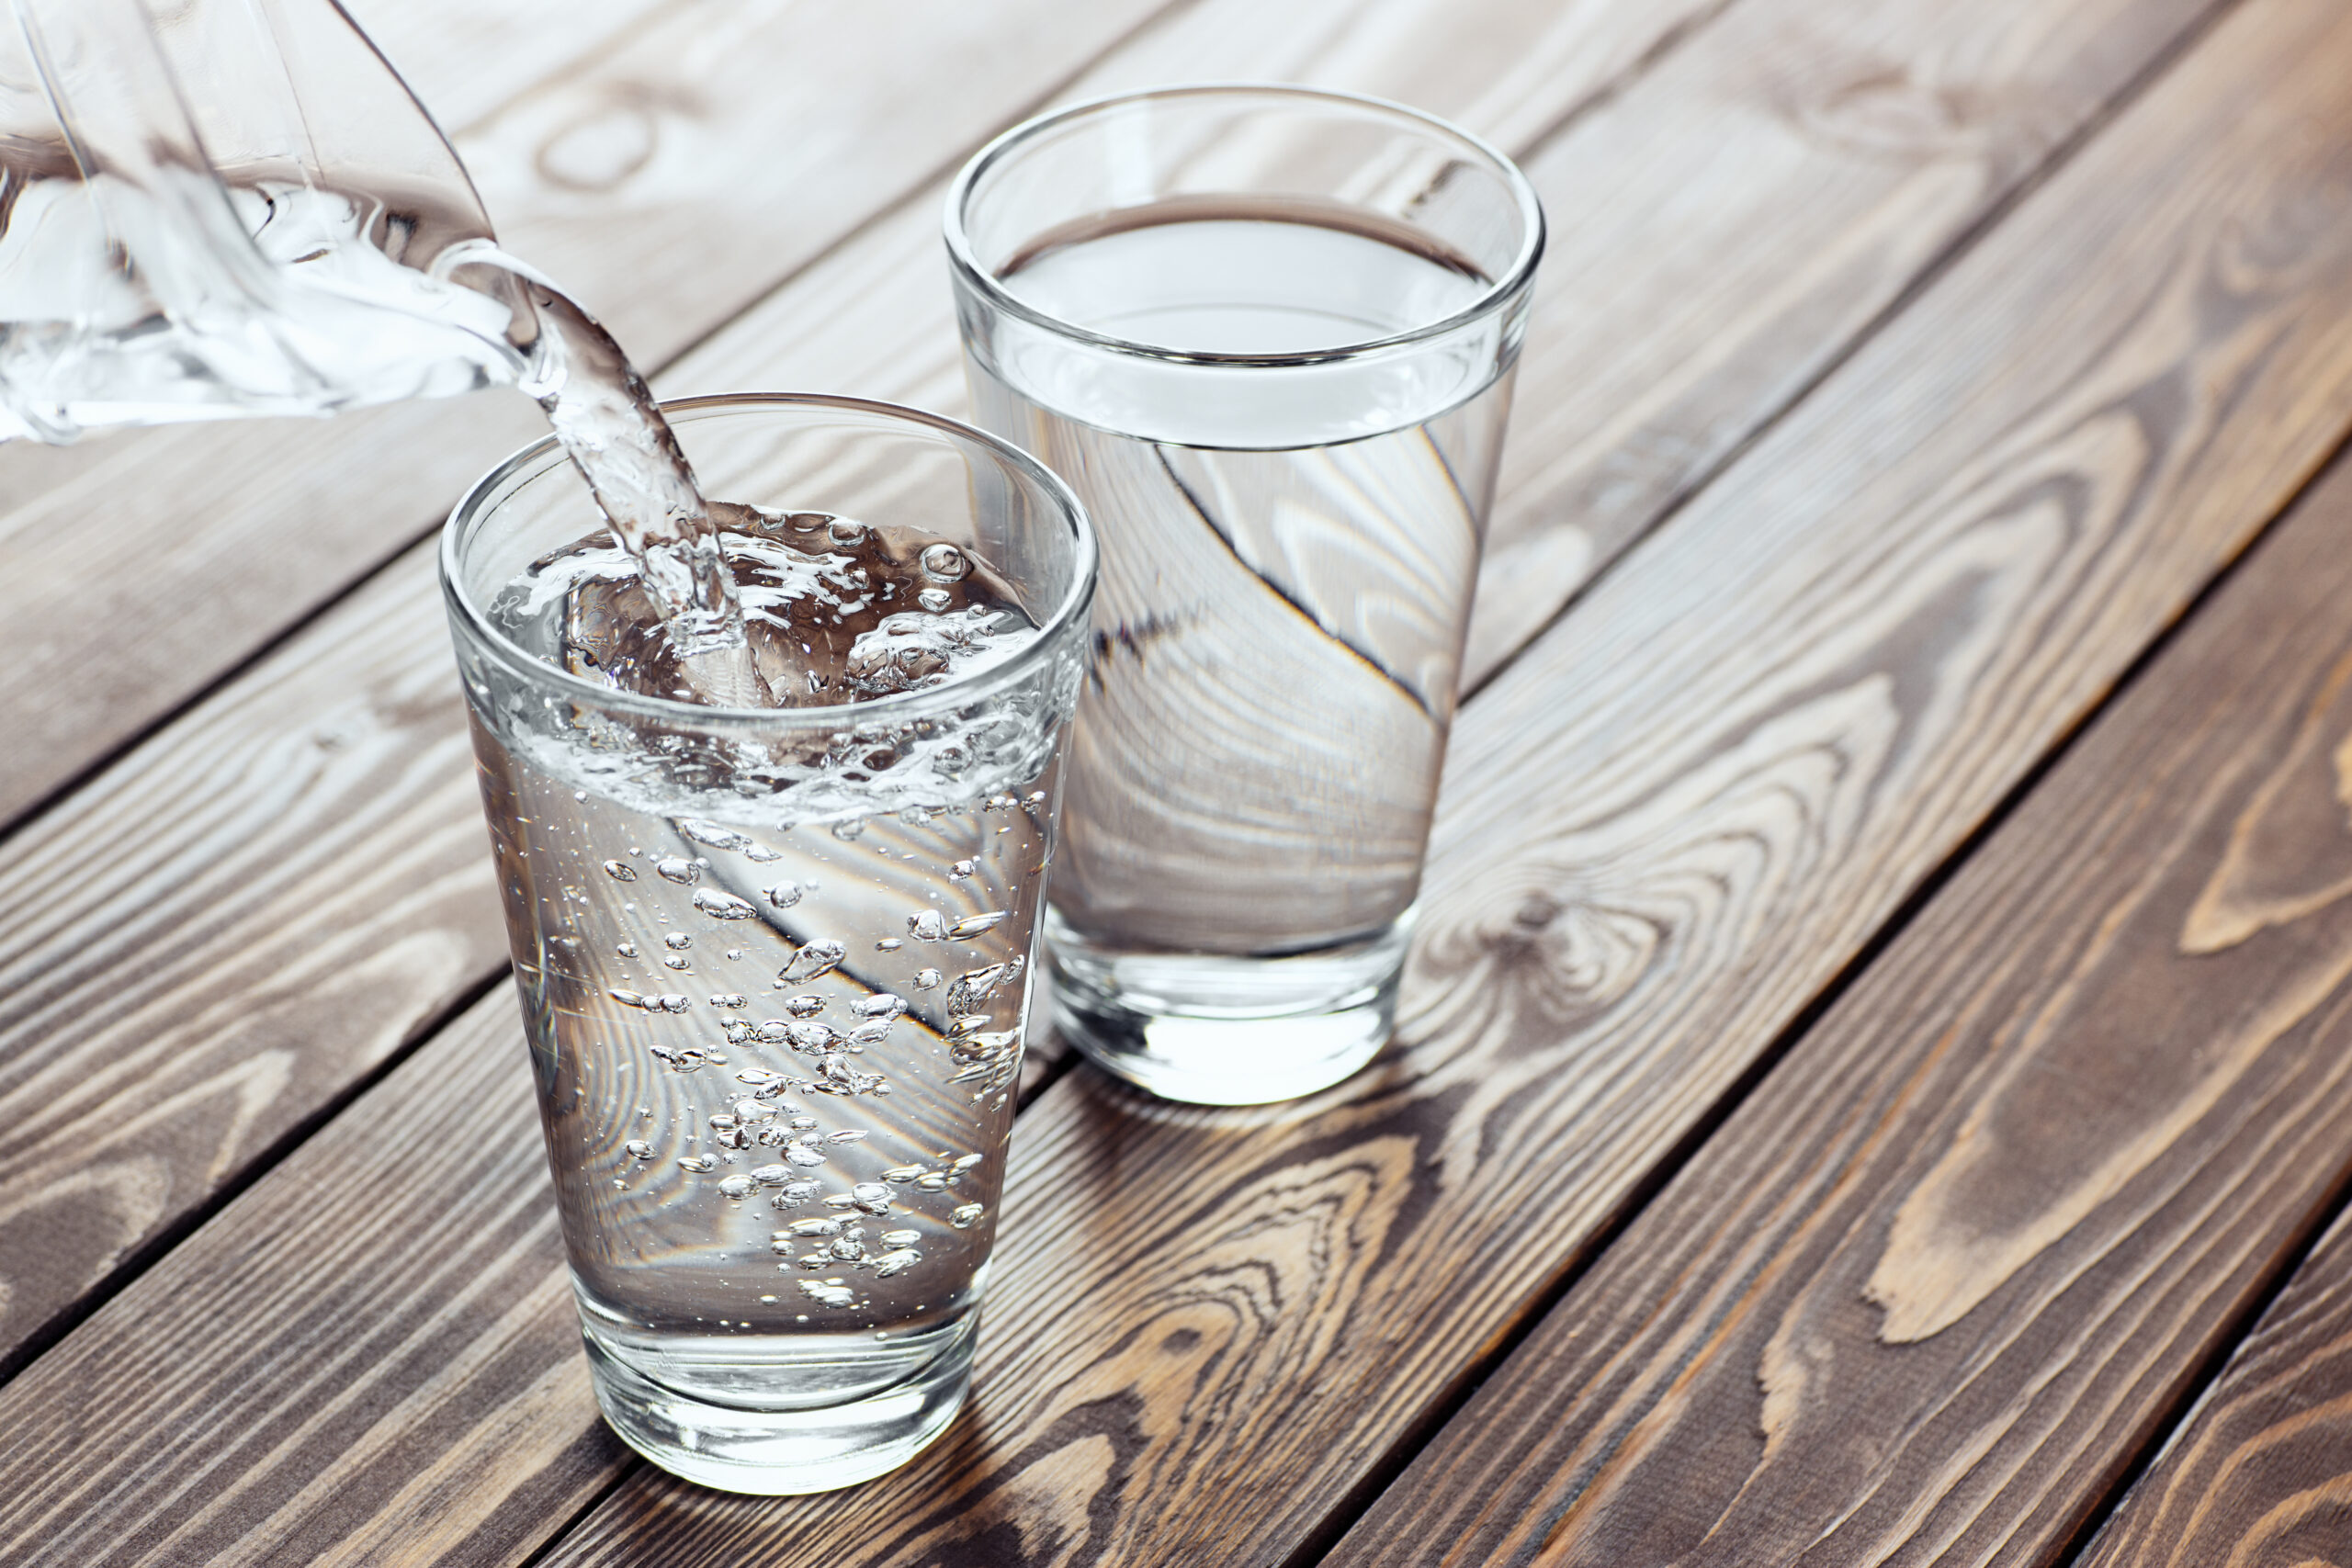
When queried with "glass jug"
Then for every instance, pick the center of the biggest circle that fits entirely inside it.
(218, 207)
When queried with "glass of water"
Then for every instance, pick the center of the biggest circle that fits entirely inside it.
(775, 962)
(1268, 334)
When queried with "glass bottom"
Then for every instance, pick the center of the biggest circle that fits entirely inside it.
(782, 1452)
(1209, 1030)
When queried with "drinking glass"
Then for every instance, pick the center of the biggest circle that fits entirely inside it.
(773, 962)
(1268, 334)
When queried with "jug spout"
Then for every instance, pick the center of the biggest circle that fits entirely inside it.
(229, 208)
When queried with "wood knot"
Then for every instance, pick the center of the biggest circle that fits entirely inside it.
(1536, 911)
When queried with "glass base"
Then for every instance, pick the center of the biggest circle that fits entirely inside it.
(1216, 1030)
(776, 1453)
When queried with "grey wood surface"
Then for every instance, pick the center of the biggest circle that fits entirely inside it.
(1902, 371)
(1967, 1249)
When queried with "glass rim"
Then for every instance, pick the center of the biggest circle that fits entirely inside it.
(1513, 279)
(1074, 606)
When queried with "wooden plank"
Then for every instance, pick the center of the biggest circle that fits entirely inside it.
(1819, 163)
(250, 1000)
(370, 1357)
(1666, 828)
(769, 132)
(2261, 1472)
(464, 59)
(1934, 1287)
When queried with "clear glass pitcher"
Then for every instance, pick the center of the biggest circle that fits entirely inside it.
(216, 207)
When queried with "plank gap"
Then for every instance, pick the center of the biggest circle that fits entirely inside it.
(1950, 255)
(2175, 1418)
(149, 1252)
(588, 1506)
(943, 170)
(1610, 89)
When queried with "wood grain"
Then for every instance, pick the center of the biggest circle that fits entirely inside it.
(213, 941)
(282, 948)
(769, 131)
(2260, 1474)
(1668, 826)
(370, 1357)
(1934, 1287)
(1819, 160)
(464, 59)
(1290, 1297)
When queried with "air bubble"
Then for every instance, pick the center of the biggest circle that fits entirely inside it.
(737, 1187)
(675, 961)
(711, 833)
(812, 1039)
(804, 1007)
(962, 869)
(888, 944)
(932, 1181)
(749, 1110)
(926, 926)
(819, 958)
(677, 942)
(827, 1294)
(944, 562)
(676, 869)
(975, 925)
(971, 991)
(880, 1004)
(785, 895)
(795, 1193)
(771, 1175)
(846, 532)
(935, 600)
(620, 871)
(900, 1239)
(819, 1226)
(730, 999)
(926, 979)
(896, 1262)
(902, 1173)
(848, 1250)
(847, 1135)
(723, 906)
(802, 1155)
(802, 1124)
(639, 1150)
(967, 1215)
(967, 1162)
(626, 949)
(698, 1164)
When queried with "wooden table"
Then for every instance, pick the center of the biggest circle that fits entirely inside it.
(1874, 1080)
